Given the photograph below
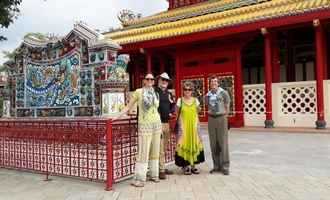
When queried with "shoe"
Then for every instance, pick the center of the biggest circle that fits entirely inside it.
(137, 183)
(162, 175)
(155, 180)
(225, 172)
(187, 171)
(168, 172)
(194, 170)
(214, 171)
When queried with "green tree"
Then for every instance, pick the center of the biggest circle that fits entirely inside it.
(8, 13)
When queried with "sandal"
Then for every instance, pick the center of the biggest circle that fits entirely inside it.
(187, 171)
(137, 184)
(194, 170)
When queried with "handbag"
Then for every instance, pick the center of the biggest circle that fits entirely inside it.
(176, 127)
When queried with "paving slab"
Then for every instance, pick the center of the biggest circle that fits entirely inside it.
(264, 166)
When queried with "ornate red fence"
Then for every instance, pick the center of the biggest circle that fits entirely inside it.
(93, 149)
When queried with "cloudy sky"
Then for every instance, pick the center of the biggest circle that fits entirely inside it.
(58, 16)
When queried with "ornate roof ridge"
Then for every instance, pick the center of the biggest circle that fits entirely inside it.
(190, 11)
(248, 14)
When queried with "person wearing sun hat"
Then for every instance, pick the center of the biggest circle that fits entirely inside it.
(149, 131)
(166, 105)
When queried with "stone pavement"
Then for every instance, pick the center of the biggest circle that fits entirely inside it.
(264, 166)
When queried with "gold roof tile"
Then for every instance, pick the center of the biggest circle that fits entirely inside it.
(270, 9)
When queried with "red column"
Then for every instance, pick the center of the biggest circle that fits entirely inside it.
(239, 91)
(162, 64)
(320, 65)
(276, 61)
(290, 66)
(269, 123)
(149, 62)
(177, 76)
(170, 4)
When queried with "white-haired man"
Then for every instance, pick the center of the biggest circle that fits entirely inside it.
(166, 105)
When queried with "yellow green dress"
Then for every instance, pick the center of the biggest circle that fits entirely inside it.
(189, 150)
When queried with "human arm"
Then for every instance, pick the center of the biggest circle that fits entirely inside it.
(227, 100)
(129, 106)
(198, 105)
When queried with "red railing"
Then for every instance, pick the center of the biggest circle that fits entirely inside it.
(94, 149)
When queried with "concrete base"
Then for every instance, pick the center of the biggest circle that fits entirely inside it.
(320, 124)
(269, 124)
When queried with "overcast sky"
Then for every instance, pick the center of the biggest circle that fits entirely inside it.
(58, 16)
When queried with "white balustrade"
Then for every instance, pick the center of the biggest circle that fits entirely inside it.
(254, 105)
(294, 104)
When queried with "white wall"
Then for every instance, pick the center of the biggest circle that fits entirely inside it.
(300, 96)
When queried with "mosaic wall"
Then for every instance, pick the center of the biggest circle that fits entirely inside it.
(53, 85)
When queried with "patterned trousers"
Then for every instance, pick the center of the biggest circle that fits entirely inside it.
(148, 151)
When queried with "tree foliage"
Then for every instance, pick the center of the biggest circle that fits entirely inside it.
(8, 13)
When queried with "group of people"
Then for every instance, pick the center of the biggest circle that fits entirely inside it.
(156, 106)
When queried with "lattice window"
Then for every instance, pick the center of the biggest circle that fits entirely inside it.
(254, 101)
(298, 100)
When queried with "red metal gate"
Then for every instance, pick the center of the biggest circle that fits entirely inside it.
(93, 149)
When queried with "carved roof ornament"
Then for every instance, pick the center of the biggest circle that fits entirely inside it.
(126, 16)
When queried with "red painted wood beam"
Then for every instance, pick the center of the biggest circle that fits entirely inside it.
(162, 64)
(276, 73)
(239, 90)
(269, 123)
(177, 76)
(149, 62)
(320, 65)
(290, 66)
(232, 30)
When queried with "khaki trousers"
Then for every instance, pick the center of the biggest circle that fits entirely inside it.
(165, 136)
(218, 134)
(148, 153)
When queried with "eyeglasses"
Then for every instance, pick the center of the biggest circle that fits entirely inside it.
(149, 79)
(163, 79)
(187, 89)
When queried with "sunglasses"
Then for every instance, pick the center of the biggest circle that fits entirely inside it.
(149, 79)
(187, 89)
(163, 79)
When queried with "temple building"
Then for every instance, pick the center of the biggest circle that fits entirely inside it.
(271, 55)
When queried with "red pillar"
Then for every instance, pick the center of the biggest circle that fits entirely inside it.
(149, 62)
(276, 61)
(320, 65)
(269, 123)
(239, 91)
(177, 76)
(162, 64)
(171, 4)
(136, 76)
(290, 66)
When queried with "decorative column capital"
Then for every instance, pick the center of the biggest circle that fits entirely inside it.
(264, 31)
(316, 23)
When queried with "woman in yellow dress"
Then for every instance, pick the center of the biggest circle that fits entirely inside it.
(189, 150)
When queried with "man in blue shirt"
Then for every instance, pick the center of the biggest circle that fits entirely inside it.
(218, 102)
